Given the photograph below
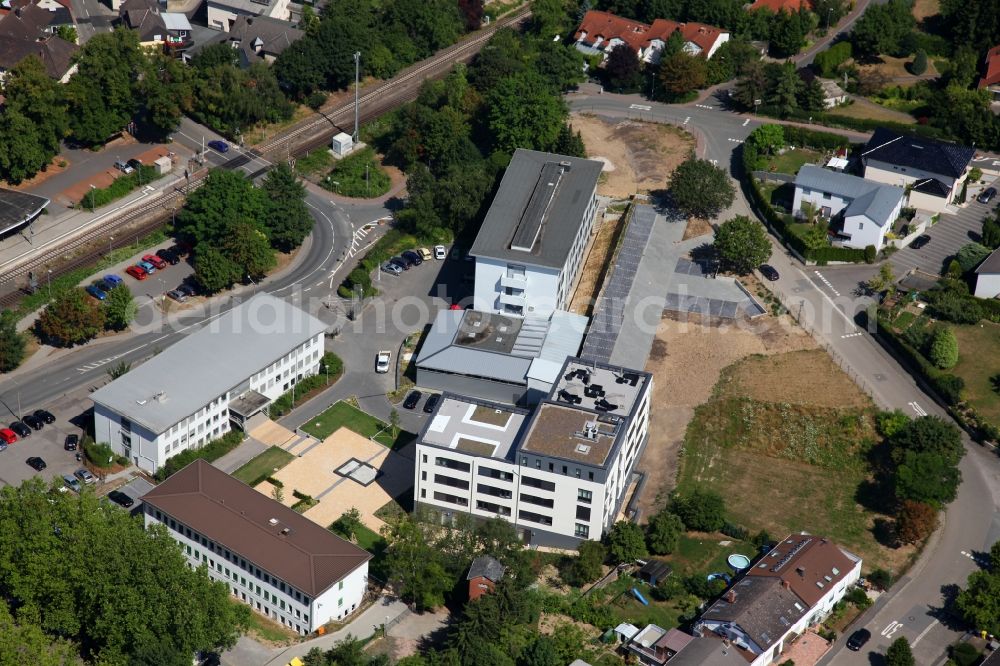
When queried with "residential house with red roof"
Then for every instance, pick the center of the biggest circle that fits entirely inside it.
(991, 79)
(600, 32)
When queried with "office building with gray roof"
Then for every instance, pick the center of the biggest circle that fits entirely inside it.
(226, 372)
(529, 250)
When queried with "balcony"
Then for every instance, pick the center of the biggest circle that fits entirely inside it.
(508, 299)
(514, 281)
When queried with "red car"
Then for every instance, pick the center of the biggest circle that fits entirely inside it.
(156, 261)
(138, 272)
(7, 436)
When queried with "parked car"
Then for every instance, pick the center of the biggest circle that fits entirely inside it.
(112, 280)
(400, 263)
(72, 442)
(412, 257)
(45, 415)
(123, 167)
(187, 289)
(769, 272)
(155, 260)
(169, 256)
(7, 436)
(104, 285)
(72, 483)
(412, 399)
(21, 429)
(134, 163)
(382, 361)
(95, 291)
(33, 421)
(138, 272)
(987, 195)
(85, 475)
(36, 463)
(220, 146)
(432, 400)
(440, 252)
(920, 241)
(425, 254)
(177, 295)
(120, 498)
(146, 266)
(3, 446)
(858, 639)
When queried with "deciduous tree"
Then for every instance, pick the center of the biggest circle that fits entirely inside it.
(701, 510)
(663, 532)
(287, 220)
(71, 319)
(622, 71)
(119, 308)
(944, 348)
(915, 521)
(899, 653)
(626, 542)
(742, 243)
(700, 189)
(681, 74)
(524, 114)
(12, 342)
(213, 270)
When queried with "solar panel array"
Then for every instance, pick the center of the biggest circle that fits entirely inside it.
(610, 310)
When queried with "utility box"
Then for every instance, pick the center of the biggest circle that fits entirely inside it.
(163, 165)
(343, 144)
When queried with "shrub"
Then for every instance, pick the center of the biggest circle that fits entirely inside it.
(213, 450)
(735, 531)
(100, 455)
(827, 62)
(944, 348)
(858, 597)
(315, 100)
(701, 587)
(586, 567)
(702, 510)
(880, 578)
(283, 403)
(331, 363)
(870, 254)
(98, 197)
(916, 521)
(919, 64)
(964, 654)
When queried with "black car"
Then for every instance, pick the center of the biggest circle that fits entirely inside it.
(21, 429)
(33, 421)
(413, 257)
(120, 498)
(920, 241)
(72, 442)
(187, 289)
(769, 272)
(858, 639)
(432, 400)
(45, 415)
(402, 263)
(36, 463)
(987, 195)
(134, 163)
(412, 399)
(168, 256)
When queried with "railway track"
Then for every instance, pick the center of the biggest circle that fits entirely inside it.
(308, 135)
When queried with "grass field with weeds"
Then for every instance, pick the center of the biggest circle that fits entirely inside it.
(792, 160)
(978, 363)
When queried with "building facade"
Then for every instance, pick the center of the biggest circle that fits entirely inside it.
(218, 377)
(529, 250)
(282, 565)
(559, 472)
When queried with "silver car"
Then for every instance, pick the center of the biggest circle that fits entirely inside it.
(85, 476)
(70, 481)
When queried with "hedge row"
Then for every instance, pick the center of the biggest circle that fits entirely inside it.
(859, 124)
(947, 385)
(120, 187)
(213, 450)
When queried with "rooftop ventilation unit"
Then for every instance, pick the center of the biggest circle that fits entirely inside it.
(272, 522)
(583, 449)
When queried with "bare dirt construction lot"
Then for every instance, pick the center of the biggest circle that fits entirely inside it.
(637, 156)
(686, 361)
(597, 264)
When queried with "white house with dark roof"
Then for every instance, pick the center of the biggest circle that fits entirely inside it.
(863, 210)
(259, 38)
(935, 170)
(222, 14)
(529, 250)
(270, 557)
(224, 373)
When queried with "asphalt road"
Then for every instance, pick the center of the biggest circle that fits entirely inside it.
(972, 522)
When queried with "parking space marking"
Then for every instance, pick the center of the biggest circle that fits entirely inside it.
(641, 107)
(924, 633)
(917, 408)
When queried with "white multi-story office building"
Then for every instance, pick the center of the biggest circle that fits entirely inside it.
(227, 371)
(559, 472)
(530, 247)
(270, 557)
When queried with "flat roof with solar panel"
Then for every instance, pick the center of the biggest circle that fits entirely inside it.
(538, 209)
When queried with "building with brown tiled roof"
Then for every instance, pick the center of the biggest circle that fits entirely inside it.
(270, 557)
(991, 76)
(29, 29)
(601, 32)
(789, 589)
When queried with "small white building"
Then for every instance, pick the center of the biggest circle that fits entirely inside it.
(271, 558)
(529, 250)
(224, 373)
(988, 277)
(934, 169)
(788, 590)
(559, 472)
(863, 211)
(222, 14)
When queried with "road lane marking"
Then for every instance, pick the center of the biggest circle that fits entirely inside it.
(705, 106)
(641, 107)
(735, 140)
(746, 122)
(917, 408)
(924, 633)
(892, 628)
(852, 335)
(687, 120)
(827, 283)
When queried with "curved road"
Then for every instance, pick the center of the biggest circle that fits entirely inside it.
(913, 607)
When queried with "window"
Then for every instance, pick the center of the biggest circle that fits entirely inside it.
(861, 225)
(538, 464)
(534, 517)
(540, 501)
(425, 458)
(590, 476)
(452, 464)
(578, 472)
(583, 513)
(582, 531)
(451, 499)
(584, 495)
(495, 492)
(552, 467)
(340, 601)
(340, 586)
(423, 476)
(492, 508)
(451, 481)
(496, 474)
(538, 483)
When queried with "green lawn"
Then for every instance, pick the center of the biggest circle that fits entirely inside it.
(342, 414)
(266, 463)
(978, 362)
(793, 160)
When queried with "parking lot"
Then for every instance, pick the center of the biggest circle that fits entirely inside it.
(46, 443)
(947, 236)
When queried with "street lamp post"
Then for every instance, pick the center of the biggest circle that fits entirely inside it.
(828, 12)
(91, 193)
(48, 279)
(756, 103)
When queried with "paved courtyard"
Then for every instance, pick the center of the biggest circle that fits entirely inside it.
(343, 471)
